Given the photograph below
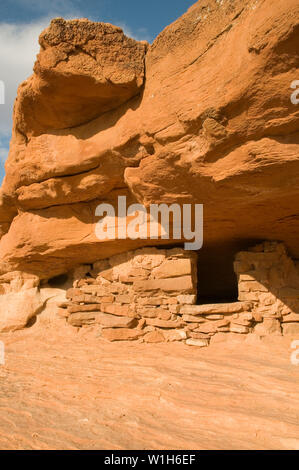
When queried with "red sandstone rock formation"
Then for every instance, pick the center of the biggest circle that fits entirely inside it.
(212, 123)
(201, 116)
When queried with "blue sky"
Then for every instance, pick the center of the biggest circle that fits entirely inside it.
(21, 21)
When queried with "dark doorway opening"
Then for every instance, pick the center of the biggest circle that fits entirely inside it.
(217, 281)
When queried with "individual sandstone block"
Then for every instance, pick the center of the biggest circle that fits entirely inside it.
(108, 299)
(208, 327)
(82, 318)
(165, 314)
(112, 321)
(124, 299)
(75, 308)
(214, 316)
(179, 284)
(193, 319)
(154, 337)
(99, 291)
(173, 268)
(234, 328)
(208, 309)
(121, 334)
(174, 335)
(149, 300)
(148, 258)
(148, 312)
(157, 312)
(86, 299)
(163, 323)
(201, 343)
(154, 312)
(117, 309)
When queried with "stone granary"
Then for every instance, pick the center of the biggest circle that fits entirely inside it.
(204, 115)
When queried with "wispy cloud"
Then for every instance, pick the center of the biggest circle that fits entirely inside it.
(18, 49)
(140, 34)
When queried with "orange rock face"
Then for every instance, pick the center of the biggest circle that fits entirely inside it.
(213, 124)
(236, 394)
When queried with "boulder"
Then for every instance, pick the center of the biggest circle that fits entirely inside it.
(18, 308)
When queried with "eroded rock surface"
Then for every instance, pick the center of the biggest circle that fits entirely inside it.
(58, 392)
(212, 123)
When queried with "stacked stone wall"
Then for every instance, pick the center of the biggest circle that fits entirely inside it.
(150, 295)
(269, 279)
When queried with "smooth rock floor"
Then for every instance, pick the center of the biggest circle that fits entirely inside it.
(64, 389)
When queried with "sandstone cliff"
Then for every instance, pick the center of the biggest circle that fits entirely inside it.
(203, 115)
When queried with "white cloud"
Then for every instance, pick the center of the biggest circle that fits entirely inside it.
(18, 49)
(140, 34)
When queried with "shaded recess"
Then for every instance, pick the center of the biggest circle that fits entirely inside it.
(217, 281)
